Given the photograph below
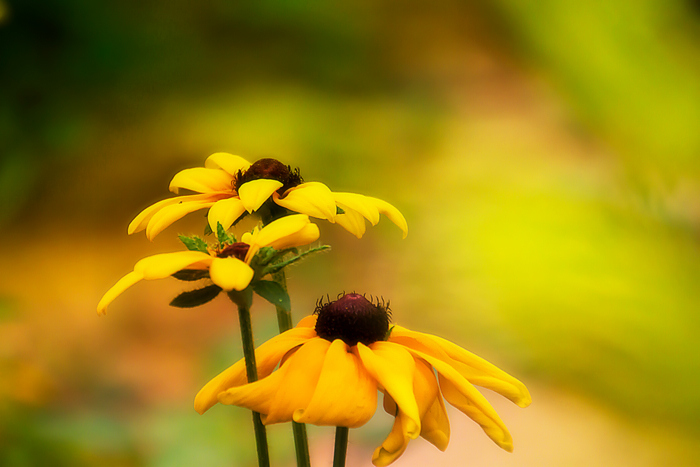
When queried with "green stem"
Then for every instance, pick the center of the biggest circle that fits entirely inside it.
(284, 321)
(341, 446)
(252, 374)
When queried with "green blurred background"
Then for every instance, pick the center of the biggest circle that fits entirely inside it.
(545, 154)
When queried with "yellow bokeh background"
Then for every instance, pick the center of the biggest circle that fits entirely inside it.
(545, 155)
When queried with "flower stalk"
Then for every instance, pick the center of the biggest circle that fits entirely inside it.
(243, 301)
(284, 321)
(341, 446)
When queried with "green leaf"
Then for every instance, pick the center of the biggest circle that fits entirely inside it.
(191, 274)
(196, 297)
(339, 210)
(388, 333)
(194, 243)
(207, 230)
(274, 293)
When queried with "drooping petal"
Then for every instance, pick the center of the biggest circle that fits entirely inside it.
(487, 374)
(463, 395)
(202, 180)
(425, 387)
(475, 369)
(427, 393)
(435, 426)
(477, 408)
(267, 356)
(167, 264)
(225, 161)
(169, 214)
(301, 373)
(391, 212)
(225, 212)
(358, 203)
(308, 234)
(352, 221)
(256, 396)
(141, 220)
(116, 290)
(230, 273)
(313, 199)
(394, 445)
(393, 368)
(345, 395)
(255, 192)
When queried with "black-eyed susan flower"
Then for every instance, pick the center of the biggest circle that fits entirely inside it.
(333, 363)
(228, 266)
(229, 186)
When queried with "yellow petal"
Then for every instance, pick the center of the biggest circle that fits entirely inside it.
(393, 368)
(256, 396)
(426, 392)
(255, 192)
(139, 223)
(308, 234)
(478, 409)
(394, 445)
(230, 273)
(167, 264)
(308, 322)
(313, 199)
(267, 356)
(391, 212)
(435, 426)
(301, 373)
(225, 161)
(487, 374)
(346, 395)
(358, 203)
(225, 212)
(463, 395)
(202, 180)
(116, 290)
(475, 369)
(351, 221)
(169, 214)
(289, 231)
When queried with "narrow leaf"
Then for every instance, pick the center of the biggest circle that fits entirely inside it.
(191, 274)
(278, 266)
(196, 297)
(273, 293)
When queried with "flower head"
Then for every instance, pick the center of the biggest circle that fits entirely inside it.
(228, 266)
(229, 186)
(332, 364)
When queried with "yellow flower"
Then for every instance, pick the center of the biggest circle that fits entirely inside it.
(333, 363)
(230, 186)
(229, 268)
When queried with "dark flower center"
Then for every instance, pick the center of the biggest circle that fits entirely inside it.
(353, 319)
(270, 169)
(236, 250)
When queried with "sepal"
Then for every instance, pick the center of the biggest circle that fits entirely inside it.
(196, 297)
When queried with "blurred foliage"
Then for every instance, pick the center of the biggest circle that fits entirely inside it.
(545, 154)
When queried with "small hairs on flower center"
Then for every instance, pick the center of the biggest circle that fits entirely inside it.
(237, 250)
(353, 319)
(270, 169)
